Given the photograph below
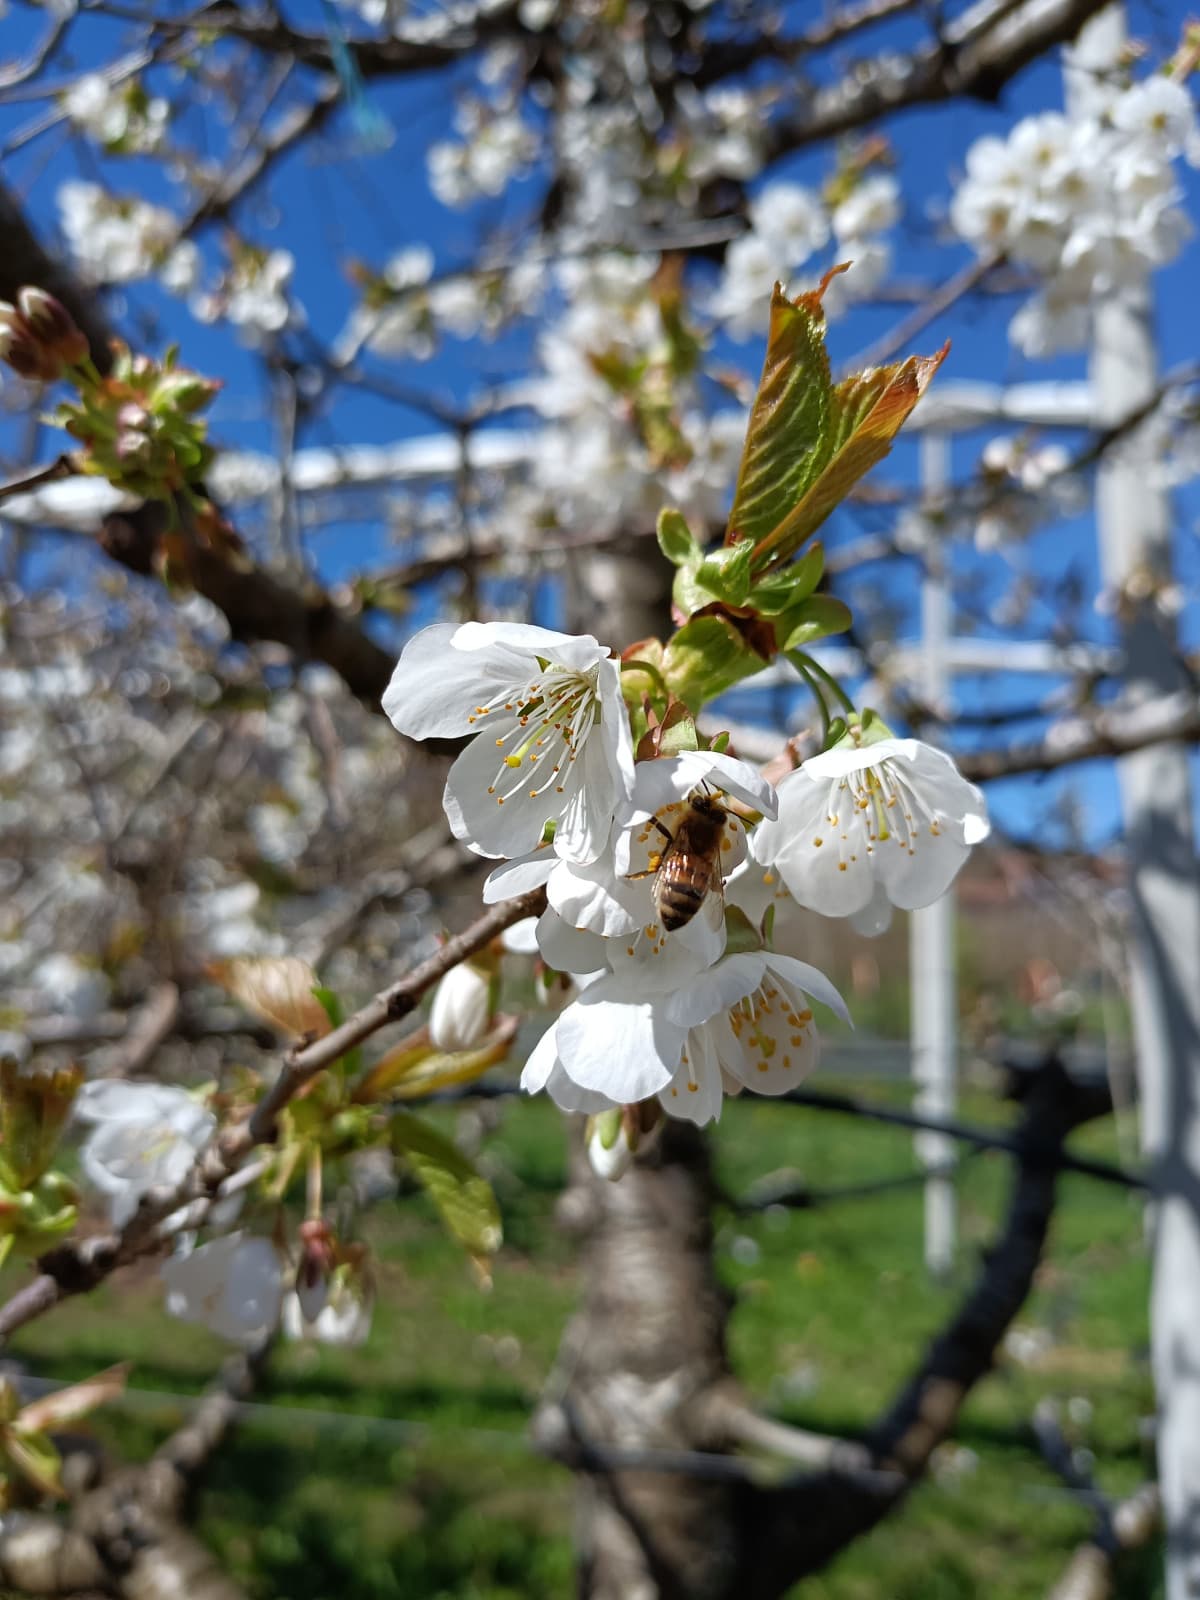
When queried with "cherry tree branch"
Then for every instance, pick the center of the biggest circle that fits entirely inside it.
(79, 1265)
(976, 56)
(61, 467)
(1090, 737)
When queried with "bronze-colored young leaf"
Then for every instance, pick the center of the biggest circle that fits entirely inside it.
(279, 989)
(809, 441)
(784, 448)
(74, 1401)
(867, 413)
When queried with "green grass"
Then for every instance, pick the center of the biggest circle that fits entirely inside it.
(402, 1470)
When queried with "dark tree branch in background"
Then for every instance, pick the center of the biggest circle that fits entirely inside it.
(976, 57)
(22, 261)
(797, 1530)
(1090, 737)
(258, 605)
(61, 467)
(296, 125)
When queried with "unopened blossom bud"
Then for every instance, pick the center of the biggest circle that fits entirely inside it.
(183, 391)
(134, 449)
(22, 351)
(34, 1106)
(53, 325)
(132, 418)
(615, 1137)
(462, 1008)
(318, 1254)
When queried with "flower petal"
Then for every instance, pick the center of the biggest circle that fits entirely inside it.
(435, 688)
(696, 1093)
(567, 949)
(810, 980)
(625, 1049)
(492, 824)
(577, 651)
(518, 877)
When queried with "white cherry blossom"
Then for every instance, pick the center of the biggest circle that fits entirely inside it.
(552, 736)
(143, 1135)
(233, 1286)
(1089, 201)
(894, 812)
(613, 897)
(744, 1023)
(343, 1319)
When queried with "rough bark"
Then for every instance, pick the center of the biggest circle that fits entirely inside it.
(645, 1351)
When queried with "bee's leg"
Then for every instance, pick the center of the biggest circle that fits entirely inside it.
(663, 829)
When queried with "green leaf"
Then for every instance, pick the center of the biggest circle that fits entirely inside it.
(788, 420)
(814, 618)
(707, 656)
(677, 733)
(687, 594)
(782, 588)
(675, 537)
(330, 1004)
(809, 441)
(726, 572)
(35, 1459)
(464, 1199)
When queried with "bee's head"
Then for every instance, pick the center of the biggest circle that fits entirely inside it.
(705, 801)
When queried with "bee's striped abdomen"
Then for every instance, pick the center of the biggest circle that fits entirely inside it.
(679, 899)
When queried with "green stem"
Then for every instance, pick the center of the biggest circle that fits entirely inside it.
(798, 661)
(827, 678)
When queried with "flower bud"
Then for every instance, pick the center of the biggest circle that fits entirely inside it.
(461, 1009)
(132, 418)
(608, 1145)
(318, 1257)
(53, 325)
(184, 391)
(615, 1137)
(25, 354)
(34, 1106)
(134, 449)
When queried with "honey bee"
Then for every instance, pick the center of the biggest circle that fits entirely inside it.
(689, 868)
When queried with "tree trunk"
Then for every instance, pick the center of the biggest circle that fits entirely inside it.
(644, 1352)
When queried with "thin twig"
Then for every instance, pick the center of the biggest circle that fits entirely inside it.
(79, 1265)
(63, 466)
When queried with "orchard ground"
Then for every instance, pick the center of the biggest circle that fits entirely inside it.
(403, 1468)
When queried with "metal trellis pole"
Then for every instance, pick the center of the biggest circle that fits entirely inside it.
(1133, 517)
(931, 930)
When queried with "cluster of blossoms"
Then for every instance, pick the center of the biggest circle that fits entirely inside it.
(789, 224)
(252, 294)
(402, 312)
(626, 427)
(496, 146)
(681, 1000)
(120, 116)
(142, 1137)
(117, 239)
(1090, 202)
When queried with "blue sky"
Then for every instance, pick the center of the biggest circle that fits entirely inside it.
(333, 201)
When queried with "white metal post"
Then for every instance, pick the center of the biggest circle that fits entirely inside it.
(931, 943)
(1134, 523)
